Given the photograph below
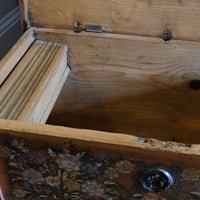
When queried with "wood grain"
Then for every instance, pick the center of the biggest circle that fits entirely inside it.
(24, 14)
(111, 140)
(15, 54)
(129, 84)
(134, 17)
(33, 82)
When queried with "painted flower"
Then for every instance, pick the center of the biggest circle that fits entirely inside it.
(191, 175)
(73, 175)
(114, 190)
(32, 176)
(101, 158)
(124, 167)
(25, 185)
(52, 153)
(18, 144)
(68, 162)
(72, 185)
(45, 189)
(151, 196)
(53, 181)
(90, 170)
(19, 193)
(52, 167)
(18, 159)
(36, 157)
(4, 151)
(110, 173)
(93, 188)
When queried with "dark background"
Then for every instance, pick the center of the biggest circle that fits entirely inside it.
(10, 25)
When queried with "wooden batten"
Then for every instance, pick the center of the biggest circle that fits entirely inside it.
(40, 131)
(133, 17)
(15, 54)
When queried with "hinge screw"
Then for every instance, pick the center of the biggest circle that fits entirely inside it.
(77, 27)
(167, 35)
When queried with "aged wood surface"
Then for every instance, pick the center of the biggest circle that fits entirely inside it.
(34, 82)
(37, 169)
(24, 14)
(15, 54)
(129, 84)
(134, 17)
(36, 149)
(56, 134)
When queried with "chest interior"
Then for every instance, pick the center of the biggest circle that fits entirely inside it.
(139, 76)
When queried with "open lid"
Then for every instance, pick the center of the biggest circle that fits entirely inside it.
(133, 17)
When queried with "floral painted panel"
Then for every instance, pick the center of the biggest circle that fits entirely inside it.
(52, 173)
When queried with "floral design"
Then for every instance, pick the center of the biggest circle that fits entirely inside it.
(49, 174)
(124, 167)
(72, 185)
(101, 159)
(4, 151)
(33, 176)
(53, 181)
(93, 188)
(25, 185)
(18, 159)
(45, 189)
(111, 173)
(19, 193)
(36, 157)
(68, 162)
(90, 170)
(191, 175)
(19, 144)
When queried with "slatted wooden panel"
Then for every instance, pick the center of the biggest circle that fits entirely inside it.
(32, 88)
(135, 17)
(128, 84)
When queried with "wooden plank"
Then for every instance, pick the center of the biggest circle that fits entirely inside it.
(45, 115)
(134, 17)
(43, 105)
(15, 54)
(129, 84)
(27, 130)
(58, 60)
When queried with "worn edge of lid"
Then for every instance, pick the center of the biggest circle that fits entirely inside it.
(12, 126)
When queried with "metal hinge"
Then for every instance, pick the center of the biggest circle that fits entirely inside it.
(78, 27)
(94, 28)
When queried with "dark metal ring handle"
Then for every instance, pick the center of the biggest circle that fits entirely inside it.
(156, 180)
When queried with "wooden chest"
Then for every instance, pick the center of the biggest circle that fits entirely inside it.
(99, 100)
